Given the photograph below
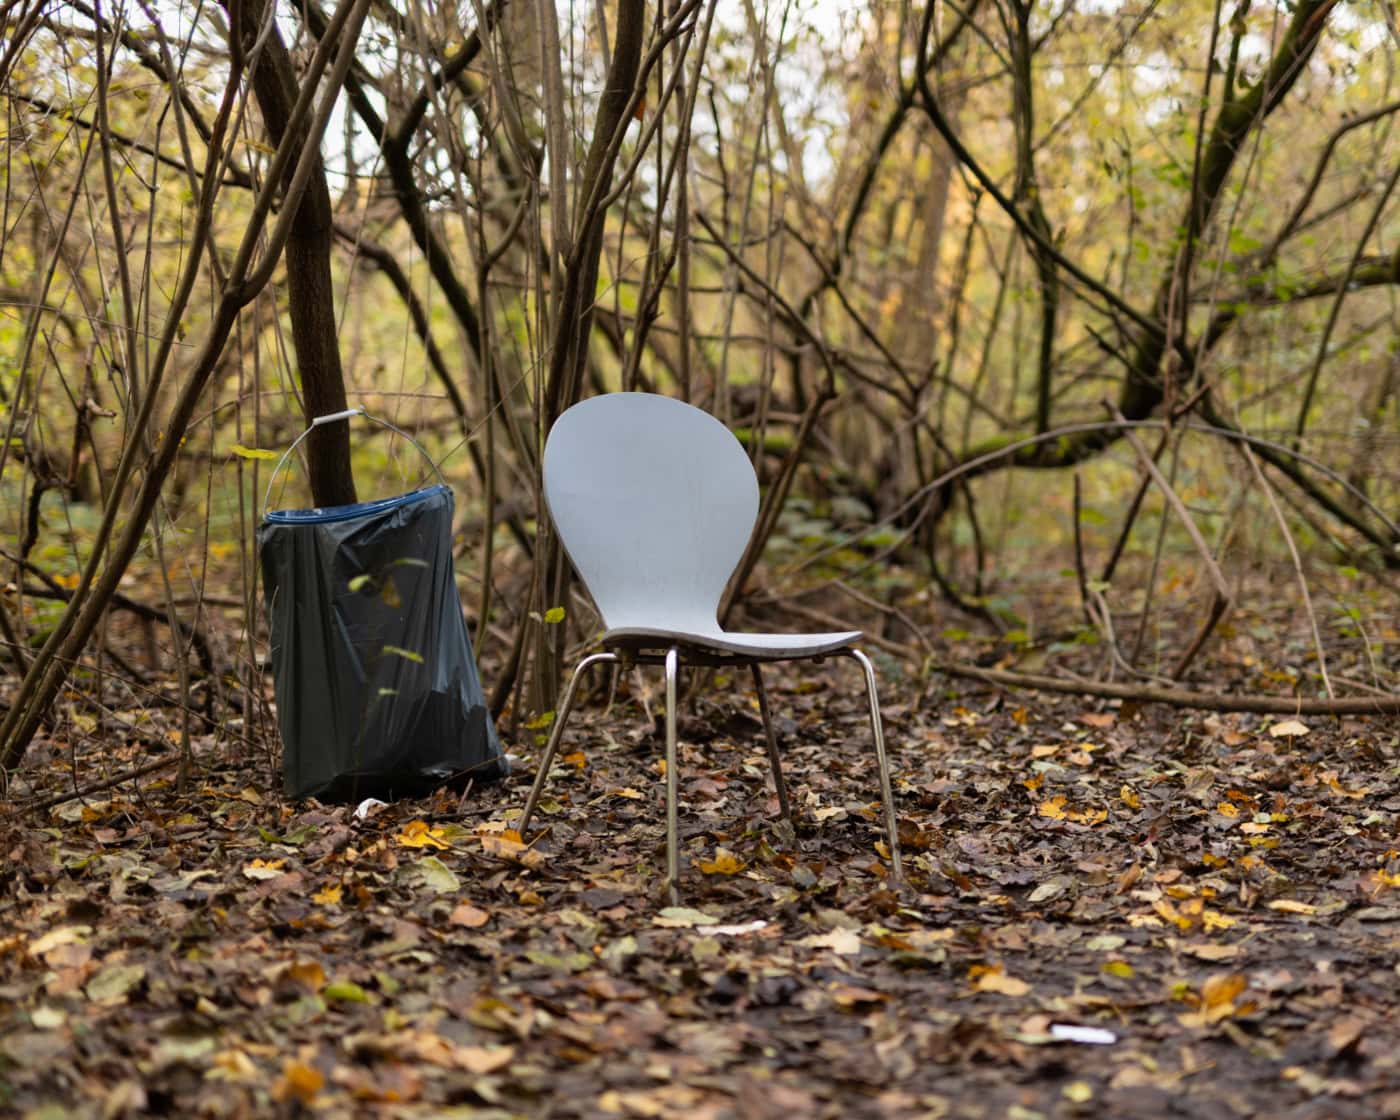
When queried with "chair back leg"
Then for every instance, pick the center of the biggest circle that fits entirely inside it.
(673, 864)
(773, 759)
(556, 733)
(886, 792)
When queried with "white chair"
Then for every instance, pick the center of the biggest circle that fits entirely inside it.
(654, 501)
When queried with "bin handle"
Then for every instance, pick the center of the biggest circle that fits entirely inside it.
(331, 418)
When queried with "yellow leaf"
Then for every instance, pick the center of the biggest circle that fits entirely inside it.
(1217, 1000)
(576, 759)
(264, 868)
(1078, 1091)
(1214, 919)
(419, 834)
(1179, 918)
(328, 895)
(1054, 808)
(1118, 968)
(1221, 989)
(1227, 809)
(505, 842)
(554, 615)
(1130, 798)
(253, 452)
(724, 863)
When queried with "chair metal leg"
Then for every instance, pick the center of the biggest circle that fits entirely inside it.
(774, 760)
(556, 734)
(673, 859)
(886, 793)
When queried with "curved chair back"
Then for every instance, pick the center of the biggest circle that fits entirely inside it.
(654, 501)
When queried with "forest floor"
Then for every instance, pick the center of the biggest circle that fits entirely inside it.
(1109, 912)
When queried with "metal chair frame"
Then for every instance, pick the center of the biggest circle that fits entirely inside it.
(671, 660)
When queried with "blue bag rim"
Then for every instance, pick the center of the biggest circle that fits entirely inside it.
(321, 515)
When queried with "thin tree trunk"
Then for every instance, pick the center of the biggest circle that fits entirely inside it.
(310, 294)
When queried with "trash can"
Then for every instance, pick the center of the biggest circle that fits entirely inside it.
(377, 688)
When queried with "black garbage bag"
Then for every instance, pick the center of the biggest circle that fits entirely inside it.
(377, 688)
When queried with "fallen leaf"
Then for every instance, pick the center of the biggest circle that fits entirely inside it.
(57, 938)
(437, 876)
(468, 915)
(419, 834)
(309, 974)
(852, 997)
(992, 978)
(345, 991)
(1078, 1091)
(683, 917)
(845, 942)
(299, 1082)
(724, 863)
(1054, 808)
(482, 1060)
(1209, 951)
(1291, 906)
(329, 895)
(114, 983)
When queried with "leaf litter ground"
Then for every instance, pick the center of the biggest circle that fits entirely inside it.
(1109, 913)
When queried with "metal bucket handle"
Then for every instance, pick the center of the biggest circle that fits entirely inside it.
(331, 418)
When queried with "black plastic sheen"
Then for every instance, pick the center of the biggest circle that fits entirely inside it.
(378, 693)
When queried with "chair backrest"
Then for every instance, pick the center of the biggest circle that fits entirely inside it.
(654, 501)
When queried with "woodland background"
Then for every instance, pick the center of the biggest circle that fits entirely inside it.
(1063, 337)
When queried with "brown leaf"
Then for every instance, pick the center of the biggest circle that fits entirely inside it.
(299, 1082)
(468, 915)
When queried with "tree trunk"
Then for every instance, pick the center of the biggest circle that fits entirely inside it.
(310, 295)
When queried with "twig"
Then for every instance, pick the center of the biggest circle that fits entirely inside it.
(1180, 697)
(1221, 602)
(1297, 564)
(96, 787)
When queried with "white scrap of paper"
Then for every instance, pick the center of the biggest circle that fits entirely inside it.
(368, 806)
(1090, 1036)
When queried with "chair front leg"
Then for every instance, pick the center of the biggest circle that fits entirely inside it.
(673, 858)
(556, 734)
(773, 759)
(886, 792)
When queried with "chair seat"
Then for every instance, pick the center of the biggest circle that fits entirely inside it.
(776, 647)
